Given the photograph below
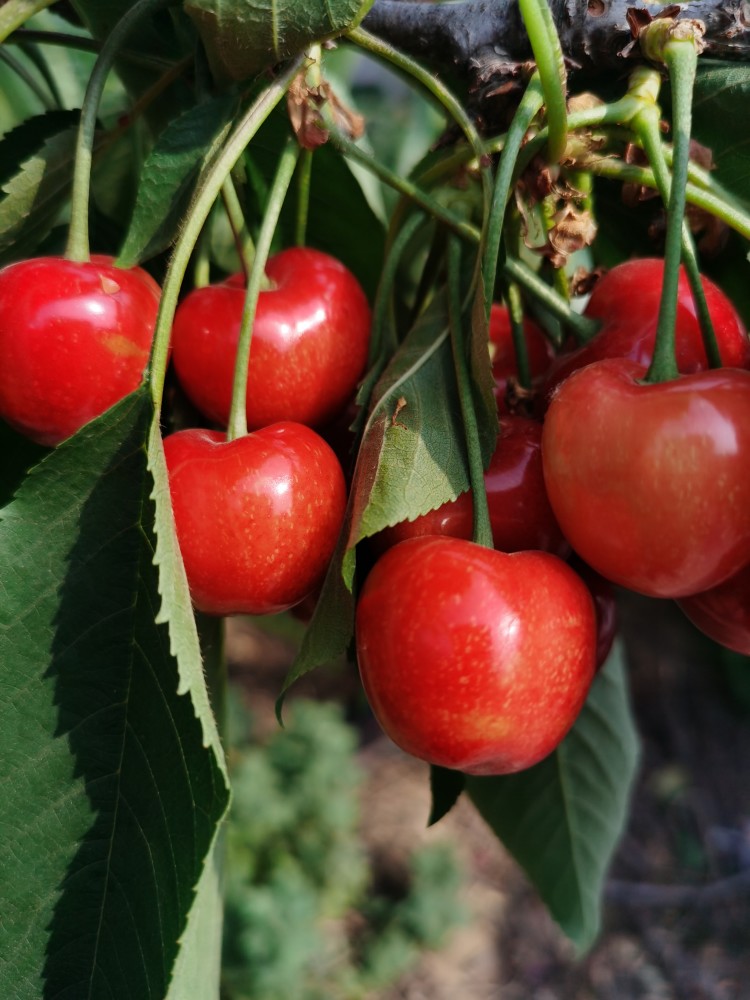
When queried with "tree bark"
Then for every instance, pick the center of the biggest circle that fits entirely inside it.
(484, 41)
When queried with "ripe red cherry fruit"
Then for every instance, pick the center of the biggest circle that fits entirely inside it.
(75, 338)
(309, 345)
(257, 518)
(723, 612)
(474, 659)
(650, 483)
(626, 301)
(520, 513)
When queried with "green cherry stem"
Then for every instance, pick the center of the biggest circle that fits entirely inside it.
(646, 126)
(237, 425)
(237, 223)
(482, 532)
(530, 104)
(712, 201)
(77, 248)
(550, 64)
(14, 13)
(583, 327)
(439, 91)
(207, 191)
(405, 187)
(384, 340)
(681, 59)
(515, 311)
(304, 177)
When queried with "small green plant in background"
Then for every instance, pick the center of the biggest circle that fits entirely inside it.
(298, 868)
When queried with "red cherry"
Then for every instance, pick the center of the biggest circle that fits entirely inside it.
(257, 518)
(626, 301)
(723, 612)
(309, 345)
(650, 483)
(520, 513)
(75, 338)
(474, 659)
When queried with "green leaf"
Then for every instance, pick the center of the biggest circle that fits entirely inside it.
(168, 175)
(242, 37)
(35, 196)
(412, 458)
(721, 95)
(22, 142)
(563, 818)
(446, 787)
(112, 793)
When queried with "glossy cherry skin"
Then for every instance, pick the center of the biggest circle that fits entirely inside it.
(474, 659)
(520, 513)
(626, 301)
(723, 612)
(539, 350)
(309, 344)
(74, 338)
(257, 518)
(650, 483)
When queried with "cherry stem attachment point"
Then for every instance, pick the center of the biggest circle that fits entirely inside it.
(77, 248)
(237, 426)
(545, 45)
(681, 58)
(482, 529)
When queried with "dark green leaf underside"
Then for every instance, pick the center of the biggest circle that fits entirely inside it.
(110, 799)
(563, 818)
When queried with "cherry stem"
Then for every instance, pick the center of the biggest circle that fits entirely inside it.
(243, 241)
(681, 59)
(528, 107)
(14, 13)
(482, 532)
(207, 191)
(516, 313)
(545, 45)
(237, 426)
(77, 248)
(304, 176)
(405, 187)
(384, 339)
(440, 92)
(708, 196)
(646, 126)
(583, 327)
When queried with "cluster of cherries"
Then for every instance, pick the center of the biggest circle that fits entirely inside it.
(472, 658)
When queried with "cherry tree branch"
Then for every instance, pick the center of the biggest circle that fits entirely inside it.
(484, 42)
